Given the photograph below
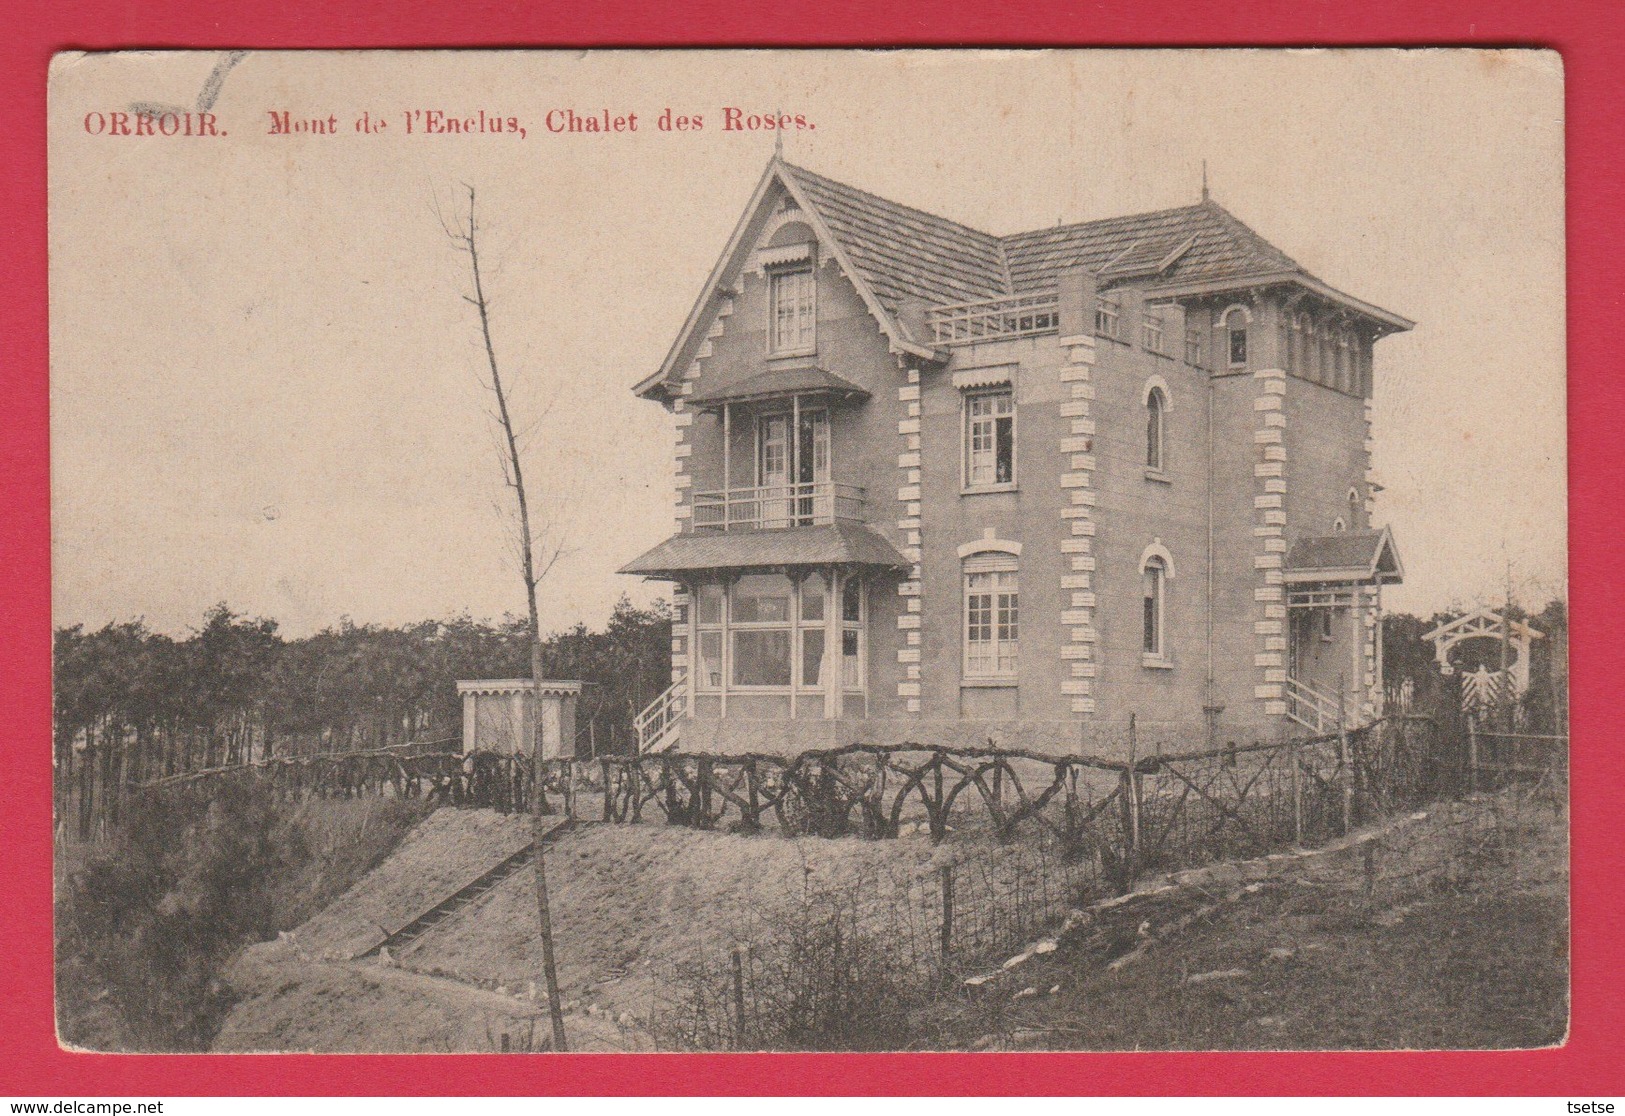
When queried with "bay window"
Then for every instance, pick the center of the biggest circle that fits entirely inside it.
(772, 632)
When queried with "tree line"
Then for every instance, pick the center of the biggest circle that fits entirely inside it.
(133, 705)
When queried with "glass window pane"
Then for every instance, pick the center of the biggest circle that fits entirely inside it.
(761, 599)
(851, 674)
(812, 656)
(814, 590)
(761, 658)
(710, 662)
(710, 604)
(852, 601)
(1005, 454)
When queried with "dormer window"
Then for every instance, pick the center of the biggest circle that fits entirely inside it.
(792, 310)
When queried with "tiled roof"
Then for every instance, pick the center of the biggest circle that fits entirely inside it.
(839, 544)
(1221, 247)
(1369, 552)
(903, 252)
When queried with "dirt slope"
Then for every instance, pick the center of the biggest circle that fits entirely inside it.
(628, 902)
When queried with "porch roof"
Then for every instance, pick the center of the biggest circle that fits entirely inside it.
(778, 383)
(1347, 556)
(833, 544)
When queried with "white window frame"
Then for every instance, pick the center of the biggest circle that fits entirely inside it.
(1156, 560)
(967, 423)
(805, 340)
(726, 627)
(1003, 571)
(1152, 333)
(791, 626)
(1230, 332)
(861, 627)
(1156, 389)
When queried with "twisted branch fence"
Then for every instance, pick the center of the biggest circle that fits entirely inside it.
(1123, 817)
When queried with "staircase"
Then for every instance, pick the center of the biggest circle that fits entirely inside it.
(465, 896)
(1315, 711)
(657, 726)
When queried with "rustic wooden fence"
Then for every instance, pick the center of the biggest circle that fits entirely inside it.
(1121, 816)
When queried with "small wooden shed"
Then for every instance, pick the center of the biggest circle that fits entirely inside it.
(501, 715)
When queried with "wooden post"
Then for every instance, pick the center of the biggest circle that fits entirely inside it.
(1344, 761)
(739, 1000)
(1296, 749)
(752, 790)
(946, 875)
(1131, 789)
(1472, 756)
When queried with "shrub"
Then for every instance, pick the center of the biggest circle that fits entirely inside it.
(146, 923)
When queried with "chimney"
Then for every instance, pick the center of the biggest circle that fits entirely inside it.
(1075, 291)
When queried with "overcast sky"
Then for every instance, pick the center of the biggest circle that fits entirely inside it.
(266, 388)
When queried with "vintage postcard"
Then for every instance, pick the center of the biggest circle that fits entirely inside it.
(828, 550)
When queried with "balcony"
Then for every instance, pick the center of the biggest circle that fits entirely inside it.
(767, 507)
(995, 319)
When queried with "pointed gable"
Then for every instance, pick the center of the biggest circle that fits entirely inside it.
(901, 253)
(894, 254)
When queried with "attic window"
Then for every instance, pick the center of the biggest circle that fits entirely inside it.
(792, 309)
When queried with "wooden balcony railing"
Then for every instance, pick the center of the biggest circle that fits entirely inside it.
(777, 505)
(995, 319)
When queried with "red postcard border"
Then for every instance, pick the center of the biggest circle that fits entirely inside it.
(1587, 34)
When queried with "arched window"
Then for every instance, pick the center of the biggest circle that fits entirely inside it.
(1355, 506)
(1339, 526)
(1345, 361)
(1154, 575)
(1155, 395)
(1235, 330)
(1156, 569)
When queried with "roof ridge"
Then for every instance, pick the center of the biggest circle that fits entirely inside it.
(1247, 230)
(1075, 225)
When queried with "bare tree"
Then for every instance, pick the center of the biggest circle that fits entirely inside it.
(465, 240)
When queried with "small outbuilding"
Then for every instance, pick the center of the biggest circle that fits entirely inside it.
(506, 714)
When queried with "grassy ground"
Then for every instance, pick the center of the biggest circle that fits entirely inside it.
(1469, 951)
(1456, 937)
(1453, 972)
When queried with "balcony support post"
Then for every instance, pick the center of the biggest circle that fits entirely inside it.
(834, 662)
(727, 472)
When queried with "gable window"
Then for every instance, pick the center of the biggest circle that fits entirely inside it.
(1153, 579)
(990, 438)
(1156, 407)
(792, 310)
(992, 616)
(1235, 328)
